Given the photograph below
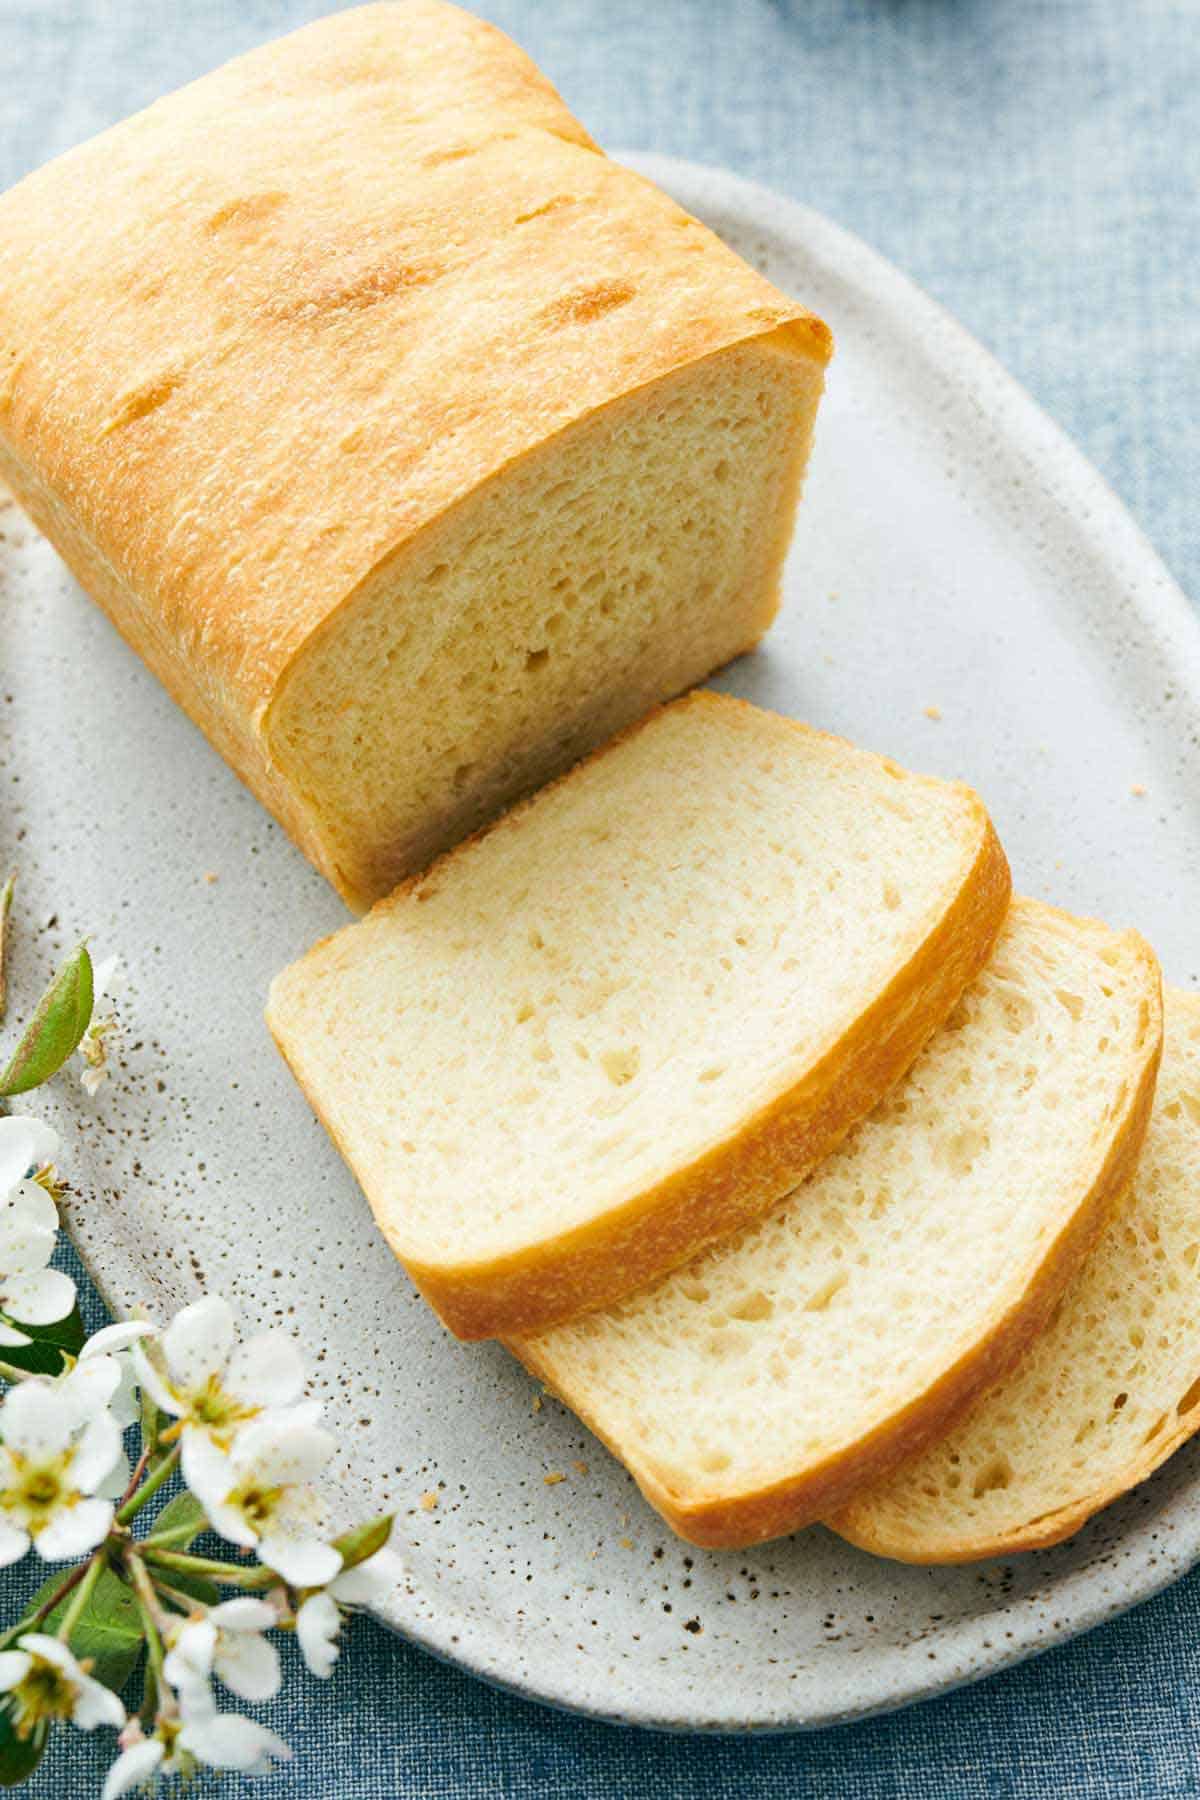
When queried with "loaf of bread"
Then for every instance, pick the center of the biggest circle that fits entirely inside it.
(415, 445)
(755, 1390)
(627, 1018)
(1104, 1396)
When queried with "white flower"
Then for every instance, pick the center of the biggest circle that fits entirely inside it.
(25, 1145)
(44, 1681)
(200, 1734)
(113, 1344)
(231, 1741)
(137, 1766)
(319, 1618)
(212, 1385)
(101, 1035)
(227, 1641)
(29, 1291)
(257, 1494)
(317, 1625)
(53, 1457)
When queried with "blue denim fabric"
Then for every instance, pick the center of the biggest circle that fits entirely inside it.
(1035, 164)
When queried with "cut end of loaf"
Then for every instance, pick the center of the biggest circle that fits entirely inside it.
(612, 569)
(1104, 1396)
(625, 1020)
(752, 1392)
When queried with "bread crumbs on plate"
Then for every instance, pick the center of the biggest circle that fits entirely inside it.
(933, 712)
(429, 1500)
(1138, 790)
(554, 1477)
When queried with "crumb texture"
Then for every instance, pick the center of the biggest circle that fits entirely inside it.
(620, 566)
(792, 1343)
(611, 981)
(1106, 1393)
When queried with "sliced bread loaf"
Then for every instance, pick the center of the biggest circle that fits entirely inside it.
(1104, 1396)
(415, 445)
(753, 1391)
(627, 1018)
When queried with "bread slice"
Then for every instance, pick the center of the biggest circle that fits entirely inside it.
(415, 445)
(751, 1392)
(1104, 1396)
(626, 1019)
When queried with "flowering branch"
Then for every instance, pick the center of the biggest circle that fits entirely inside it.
(229, 1416)
(135, 1500)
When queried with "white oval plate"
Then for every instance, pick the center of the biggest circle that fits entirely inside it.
(954, 553)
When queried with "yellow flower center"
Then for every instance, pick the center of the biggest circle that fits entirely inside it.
(45, 1693)
(257, 1505)
(213, 1408)
(39, 1489)
(47, 1178)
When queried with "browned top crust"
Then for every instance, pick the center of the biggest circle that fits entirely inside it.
(257, 336)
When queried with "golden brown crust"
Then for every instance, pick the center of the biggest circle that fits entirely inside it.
(241, 370)
(737, 1180)
(1041, 1533)
(740, 1179)
(738, 1520)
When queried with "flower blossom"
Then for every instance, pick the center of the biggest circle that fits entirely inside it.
(59, 1444)
(30, 1292)
(102, 1033)
(112, 1345)
(319, 1618)
(226, 1640)
(258, 1493)
(43, 1681)
(209, 1383)
(200, 1734)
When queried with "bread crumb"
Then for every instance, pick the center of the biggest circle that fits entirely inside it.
(554, 1477)
(625, 1543)
(536, 1404)
(580, 1468)
(210, 875)
(429, 1500)
(933, 712)
(1138, 790)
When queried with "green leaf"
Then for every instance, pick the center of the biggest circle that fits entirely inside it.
(19, 1757)
(43, 1355)
(364, 1540)
(54, 1032)
(109, 1629)
(179, 1523)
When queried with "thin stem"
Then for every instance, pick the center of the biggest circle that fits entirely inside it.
(46, 1608)
(10, 1372)
(138, 1471)
(148, 1607)
(83, 1593)
(134, 1504)
(188, 1602)
(171, 1537)
(151, 1423)
(256, 1576)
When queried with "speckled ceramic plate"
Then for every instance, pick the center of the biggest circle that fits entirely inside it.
(965, 593)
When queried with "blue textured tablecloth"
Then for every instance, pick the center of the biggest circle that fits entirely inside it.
(1036, 165)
